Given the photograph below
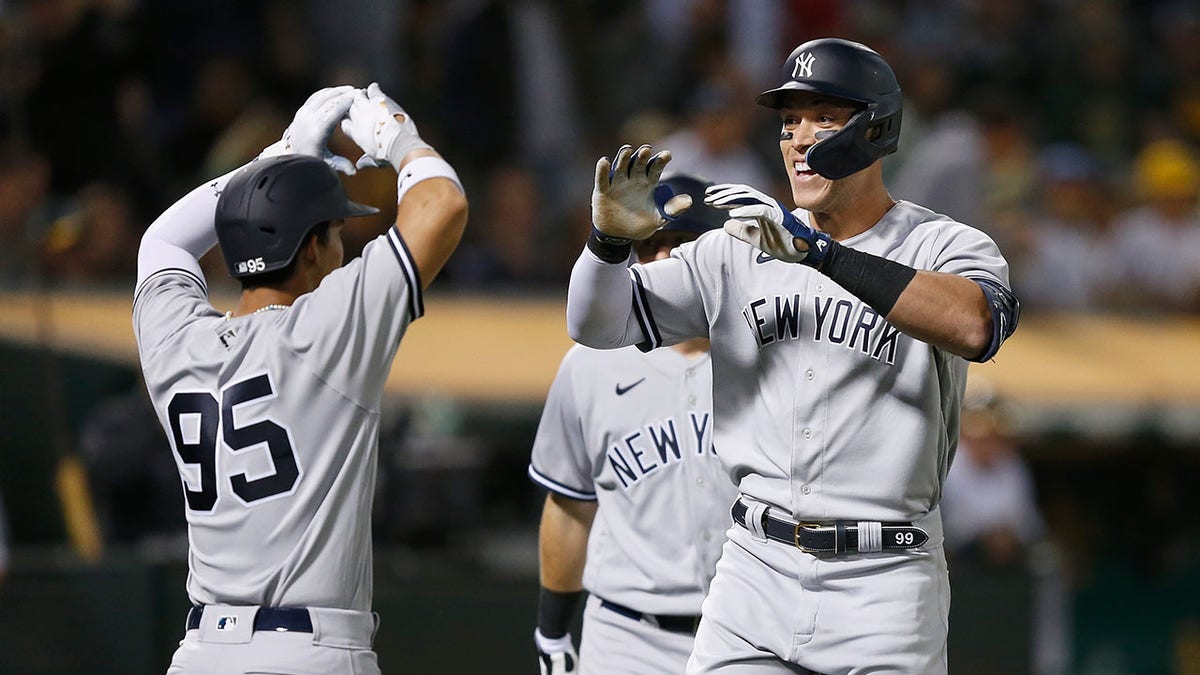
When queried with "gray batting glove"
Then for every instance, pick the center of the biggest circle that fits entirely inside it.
(312, 126)
(623, 196)
(373, 125)
(765, 224)
(556, 656)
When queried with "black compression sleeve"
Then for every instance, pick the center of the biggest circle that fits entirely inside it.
(876, 281)
(555, 611)
(608, 248)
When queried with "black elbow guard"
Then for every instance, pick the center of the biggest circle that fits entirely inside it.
(1006, 311)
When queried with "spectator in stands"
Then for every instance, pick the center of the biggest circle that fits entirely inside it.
(91, 242)
(24, 181)
(714, 141)
(1164, 230)
(1065, 252)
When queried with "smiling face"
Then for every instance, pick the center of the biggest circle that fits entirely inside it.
(803, 116)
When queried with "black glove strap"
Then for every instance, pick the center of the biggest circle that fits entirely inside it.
(555, 611)
(876, 281)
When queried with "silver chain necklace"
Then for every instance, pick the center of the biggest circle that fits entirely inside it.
(266, 308)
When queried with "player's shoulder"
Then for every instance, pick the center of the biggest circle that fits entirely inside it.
(166, 303)
(926, 221)
(910, 221)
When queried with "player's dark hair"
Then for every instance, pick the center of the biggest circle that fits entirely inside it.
(280, 276)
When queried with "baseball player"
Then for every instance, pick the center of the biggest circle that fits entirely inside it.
(272, 409)
(635, 490)
(841, 333)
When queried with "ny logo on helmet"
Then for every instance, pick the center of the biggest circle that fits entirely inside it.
(804, 64)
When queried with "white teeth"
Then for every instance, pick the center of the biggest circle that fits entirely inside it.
(799, 167)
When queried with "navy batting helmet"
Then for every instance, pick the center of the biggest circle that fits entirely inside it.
(267, 210)
(697, 219)
(856, 73)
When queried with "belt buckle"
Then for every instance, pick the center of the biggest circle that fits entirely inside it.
(796, 536)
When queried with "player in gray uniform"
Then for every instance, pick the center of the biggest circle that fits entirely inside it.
(272, 409)
(636, 491)
(840, 337)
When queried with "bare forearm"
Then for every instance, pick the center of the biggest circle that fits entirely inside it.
(431, 216)
(562, 542)
(945, 310)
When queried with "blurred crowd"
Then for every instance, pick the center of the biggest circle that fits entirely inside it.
(1069, 130)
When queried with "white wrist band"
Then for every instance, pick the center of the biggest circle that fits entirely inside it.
(552, 645)
(424, 168)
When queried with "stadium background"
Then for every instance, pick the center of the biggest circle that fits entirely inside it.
(110, 109)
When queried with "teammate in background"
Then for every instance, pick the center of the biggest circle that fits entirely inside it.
(840, 337)
(272, 409)
(990, 504)
(636, 491)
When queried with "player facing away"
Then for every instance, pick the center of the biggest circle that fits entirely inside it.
(637, 505)
(273, 408)
(841, 334)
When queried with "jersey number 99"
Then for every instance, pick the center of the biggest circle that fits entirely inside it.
(201, 448)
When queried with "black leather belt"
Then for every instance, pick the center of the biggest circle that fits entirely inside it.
(676, 623)
(279, 619)
(837, 538)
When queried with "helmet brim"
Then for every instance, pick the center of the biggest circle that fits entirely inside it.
(773, 98)
(355, 210)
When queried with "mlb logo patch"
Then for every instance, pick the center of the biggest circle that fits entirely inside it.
(226, 622)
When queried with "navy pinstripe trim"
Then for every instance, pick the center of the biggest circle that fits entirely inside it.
(416, 303)
(169, 270)
(641, 308)
(554, 486)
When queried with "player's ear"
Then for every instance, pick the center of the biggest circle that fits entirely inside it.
(309, 249)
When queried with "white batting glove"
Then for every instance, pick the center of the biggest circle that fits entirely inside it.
(372, 124)
(556, 656)
(764, 223)
(623, 196)
(312, 126)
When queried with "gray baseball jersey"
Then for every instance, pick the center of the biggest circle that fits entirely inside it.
(799, 359)
(273, 418)
(823, 411)
(634, 431)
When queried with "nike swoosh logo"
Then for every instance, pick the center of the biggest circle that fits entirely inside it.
(621, 390)
(762, 258)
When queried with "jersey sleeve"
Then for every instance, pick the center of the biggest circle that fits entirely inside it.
(165, 303)
(350, 327)
(968, 252)
(560, 460)
(670, 296)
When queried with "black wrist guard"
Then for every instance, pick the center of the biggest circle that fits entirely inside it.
(874, 280)
(608, 248)
(555, 611)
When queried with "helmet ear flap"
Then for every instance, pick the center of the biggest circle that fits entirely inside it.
(850, 149)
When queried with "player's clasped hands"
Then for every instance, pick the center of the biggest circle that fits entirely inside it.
(375, 122)
(379, 126)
